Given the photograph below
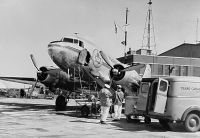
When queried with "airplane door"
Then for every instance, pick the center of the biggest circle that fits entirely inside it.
(161, 96)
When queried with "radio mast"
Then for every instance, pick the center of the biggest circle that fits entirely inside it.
(148, 41)
(125, 32)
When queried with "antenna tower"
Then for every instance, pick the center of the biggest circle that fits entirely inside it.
(148, 41)
(125, 32)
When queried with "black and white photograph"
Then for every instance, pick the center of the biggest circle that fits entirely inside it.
(99, 68)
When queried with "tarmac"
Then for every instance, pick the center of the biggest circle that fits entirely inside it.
(38, 118)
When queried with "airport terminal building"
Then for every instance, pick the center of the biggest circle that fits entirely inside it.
(183, 60)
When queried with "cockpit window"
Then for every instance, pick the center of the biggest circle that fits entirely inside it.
(67, 40)
(81, 44)
(75, 41)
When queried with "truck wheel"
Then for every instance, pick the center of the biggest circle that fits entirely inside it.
(164, 124)
(147, 120)
(192, 122)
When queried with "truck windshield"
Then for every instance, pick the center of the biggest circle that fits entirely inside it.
(163, 86)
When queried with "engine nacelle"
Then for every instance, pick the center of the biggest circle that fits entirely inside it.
(52, 77)
(116, 73)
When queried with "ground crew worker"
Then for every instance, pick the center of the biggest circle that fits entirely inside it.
(117, 101)
(105, 102)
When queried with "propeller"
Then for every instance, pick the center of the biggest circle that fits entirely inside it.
(106, 59)
(39, 72)
(117, 71)
(34, 61)
(34, 87)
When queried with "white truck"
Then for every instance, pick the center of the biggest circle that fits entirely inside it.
(170, 99)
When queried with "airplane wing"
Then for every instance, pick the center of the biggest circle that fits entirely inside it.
(23, 80)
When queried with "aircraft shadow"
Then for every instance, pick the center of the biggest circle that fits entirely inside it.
(14, 107)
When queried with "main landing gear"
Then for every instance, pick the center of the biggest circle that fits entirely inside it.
(61, 103)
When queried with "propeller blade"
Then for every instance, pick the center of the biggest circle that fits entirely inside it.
(111, 80)
(33, 87)
(130, 68)
(106, 59)
(34, 61)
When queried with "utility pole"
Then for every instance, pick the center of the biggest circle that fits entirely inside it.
(125, 34)
(149, 25)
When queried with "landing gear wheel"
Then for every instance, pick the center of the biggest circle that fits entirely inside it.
(61, 103)
(128, 118)
(147, 120)
(131, 118)
(164, 124)
(192, 122)
(85, 111)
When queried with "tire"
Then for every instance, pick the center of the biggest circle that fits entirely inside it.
(164, 124)
(147, 120)
(128, 118)
(192, 122)
(85, 111)
(60, 103)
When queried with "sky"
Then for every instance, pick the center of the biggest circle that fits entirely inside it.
(27, 26)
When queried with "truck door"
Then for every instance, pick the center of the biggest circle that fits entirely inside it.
(143, 96)
(161, 96)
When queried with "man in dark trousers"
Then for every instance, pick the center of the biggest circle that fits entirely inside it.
(106, 102)
(117, 101)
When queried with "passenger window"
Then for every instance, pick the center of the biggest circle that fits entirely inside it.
(163, 86)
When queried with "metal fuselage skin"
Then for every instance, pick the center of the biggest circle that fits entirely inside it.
(66, 54)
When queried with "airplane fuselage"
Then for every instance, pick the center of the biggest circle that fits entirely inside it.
(79, 52)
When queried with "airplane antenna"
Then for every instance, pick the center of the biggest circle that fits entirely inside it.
(149, 31)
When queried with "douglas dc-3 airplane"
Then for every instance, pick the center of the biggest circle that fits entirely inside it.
(53, 78)
(77, 52)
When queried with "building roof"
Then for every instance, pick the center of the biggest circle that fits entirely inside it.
(184, 50)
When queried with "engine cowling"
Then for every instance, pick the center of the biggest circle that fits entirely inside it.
(52, 77)
(116, 73)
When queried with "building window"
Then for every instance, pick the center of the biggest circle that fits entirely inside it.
(196, 71)
(184, 71)
(166, 69)
(160, 69)
(177, 70)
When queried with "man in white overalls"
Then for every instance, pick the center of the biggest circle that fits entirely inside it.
(106, 102)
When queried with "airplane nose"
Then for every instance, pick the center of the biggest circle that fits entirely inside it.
(51, 49)
(51, 44)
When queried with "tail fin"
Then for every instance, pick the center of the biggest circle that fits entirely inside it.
(147, 72)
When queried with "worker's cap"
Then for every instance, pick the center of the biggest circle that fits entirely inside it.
(119, 86)
(107, 86)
